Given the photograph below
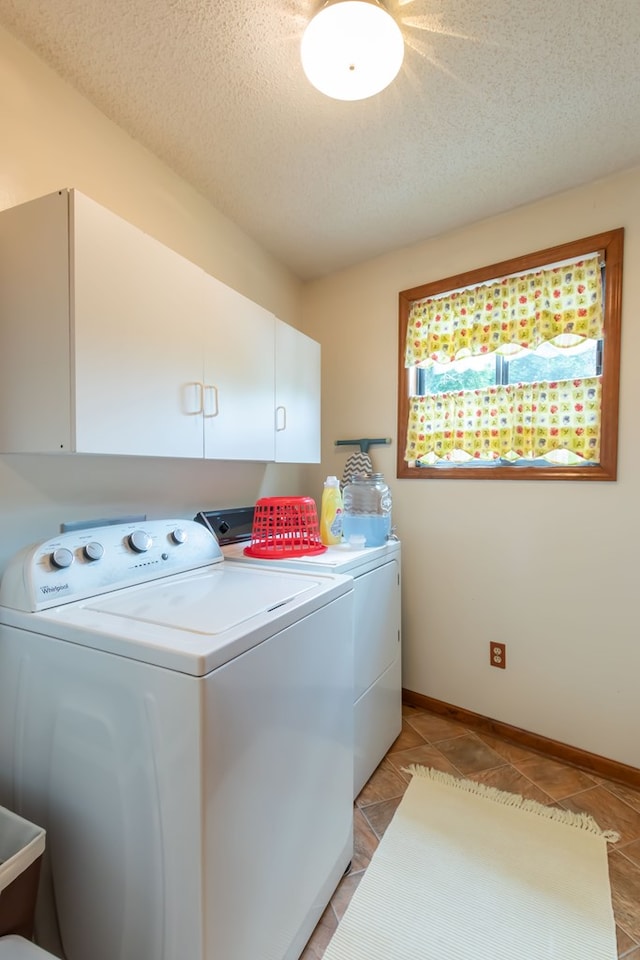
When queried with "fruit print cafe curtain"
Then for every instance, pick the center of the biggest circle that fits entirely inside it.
(520, 420)
(523, 420)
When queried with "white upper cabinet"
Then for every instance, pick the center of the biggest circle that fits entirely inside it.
(112, 343)
(239, 376)
(137, 312)
(297, 396)
(35, 360)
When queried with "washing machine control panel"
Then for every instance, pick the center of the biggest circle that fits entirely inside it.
(88, 563)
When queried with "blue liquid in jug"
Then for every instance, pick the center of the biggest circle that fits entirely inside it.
(373, 527)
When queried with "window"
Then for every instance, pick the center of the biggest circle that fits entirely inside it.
(511, 371)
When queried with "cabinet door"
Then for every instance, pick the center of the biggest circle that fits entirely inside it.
(34, 327)
(136, 323)
(297, 396)
(239, 376)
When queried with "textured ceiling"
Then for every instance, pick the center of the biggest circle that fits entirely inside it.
(498, 103)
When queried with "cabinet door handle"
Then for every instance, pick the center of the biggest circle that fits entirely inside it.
(197, 388)
(281, 421)
(214, 390)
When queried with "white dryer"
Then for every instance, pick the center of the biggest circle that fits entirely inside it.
(376, 625)
(182, 728)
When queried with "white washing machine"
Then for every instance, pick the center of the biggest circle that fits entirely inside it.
(377, 627)
(17, 948)
(182, 728)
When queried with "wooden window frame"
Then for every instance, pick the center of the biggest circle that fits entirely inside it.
(611, 245)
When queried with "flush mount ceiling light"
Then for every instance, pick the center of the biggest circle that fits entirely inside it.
(352, 49)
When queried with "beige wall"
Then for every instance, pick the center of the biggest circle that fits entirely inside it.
(53, 138)
(482, 561)
(550, 568)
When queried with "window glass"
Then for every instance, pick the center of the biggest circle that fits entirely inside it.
(467, 374)
(552, 363)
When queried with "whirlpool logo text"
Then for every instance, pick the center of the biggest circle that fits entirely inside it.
(59, 588)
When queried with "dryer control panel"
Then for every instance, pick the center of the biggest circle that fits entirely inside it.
(88, 563)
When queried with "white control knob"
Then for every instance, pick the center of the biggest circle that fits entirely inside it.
(62, 558)
(179, 535)
(94, 550)
(140, 541)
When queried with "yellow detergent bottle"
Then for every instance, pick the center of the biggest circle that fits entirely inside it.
(331, 513)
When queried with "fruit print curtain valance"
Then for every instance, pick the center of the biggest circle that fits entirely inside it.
(525, 310)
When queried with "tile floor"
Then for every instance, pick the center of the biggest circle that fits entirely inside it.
(435, 741)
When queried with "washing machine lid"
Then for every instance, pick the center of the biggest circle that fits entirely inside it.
(193, 622)
(209, 603)
(17, 948)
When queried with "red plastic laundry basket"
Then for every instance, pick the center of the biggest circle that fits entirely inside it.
(285, 527)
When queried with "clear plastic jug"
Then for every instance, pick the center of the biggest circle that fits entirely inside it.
(367, 509)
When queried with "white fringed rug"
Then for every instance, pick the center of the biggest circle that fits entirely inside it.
(468, 872)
